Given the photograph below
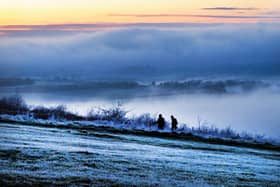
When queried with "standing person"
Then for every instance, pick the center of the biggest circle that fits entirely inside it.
(174, 123)
(161, 122)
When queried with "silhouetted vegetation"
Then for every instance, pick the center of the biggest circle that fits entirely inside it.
(58, 112)
(219, 86)
(13, 105)
(144, 119)
(116, 113)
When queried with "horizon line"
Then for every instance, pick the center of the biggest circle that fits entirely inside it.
(136, 23)
(197, 15)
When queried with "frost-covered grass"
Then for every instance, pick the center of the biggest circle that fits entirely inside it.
(15, 109)
(36, 156)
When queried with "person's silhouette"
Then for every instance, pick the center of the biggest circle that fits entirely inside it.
(161, 122)
(174, 123)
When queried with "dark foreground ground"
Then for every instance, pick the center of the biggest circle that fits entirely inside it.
(50, 156)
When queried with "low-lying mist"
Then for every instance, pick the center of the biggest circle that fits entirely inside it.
(250, 106)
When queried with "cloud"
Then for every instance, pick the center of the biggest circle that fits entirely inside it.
(272, 13)
(58, 29)
(145, 53)
(81, 27)
(198, 16)
(229, 8)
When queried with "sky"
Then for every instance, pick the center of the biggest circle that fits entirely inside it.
(42, 12)
(139, 39)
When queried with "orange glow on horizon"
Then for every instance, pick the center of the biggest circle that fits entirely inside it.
(42, 12)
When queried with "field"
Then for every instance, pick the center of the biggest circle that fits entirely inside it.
(31, 155)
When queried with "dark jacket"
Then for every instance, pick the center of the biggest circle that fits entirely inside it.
(174, 123)
(161, 122)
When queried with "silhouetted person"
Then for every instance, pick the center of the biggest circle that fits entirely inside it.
(160, 122)
(174, 123)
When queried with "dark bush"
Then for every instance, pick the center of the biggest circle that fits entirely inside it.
(117, 114)
(41, 112)
(13, 105)
(145, 119)
(58, 112)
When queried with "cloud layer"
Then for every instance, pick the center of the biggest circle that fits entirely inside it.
(229, 8)
(144, 53)
(261, 17)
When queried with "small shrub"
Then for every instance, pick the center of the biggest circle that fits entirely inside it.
(58, 112)
(13, 105)
(41, 112)
(116, 114)
(228, 132)
(145, 119)
(94, 114)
